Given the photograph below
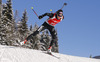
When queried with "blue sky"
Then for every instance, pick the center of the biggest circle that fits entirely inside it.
(79, 32)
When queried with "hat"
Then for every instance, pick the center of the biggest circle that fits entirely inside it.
(59, 11)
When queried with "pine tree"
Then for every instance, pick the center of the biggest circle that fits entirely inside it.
(23, 28)
(2, 28)
(45, 40)
(18, 30)
(55, 46)
(0, 9)
(0, 21)
(35, 27)
(16, 33)
(90, 56)
(8, 24)
(24, 23)
(9, 10)
(35, 39)
(31, 28)
(16, 16)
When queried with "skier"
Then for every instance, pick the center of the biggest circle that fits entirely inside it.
(54, 18)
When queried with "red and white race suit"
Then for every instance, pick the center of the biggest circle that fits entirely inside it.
(53, 21)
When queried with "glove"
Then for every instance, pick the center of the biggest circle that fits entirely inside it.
(40, 17)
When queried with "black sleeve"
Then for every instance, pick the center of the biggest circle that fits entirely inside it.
(48, 14)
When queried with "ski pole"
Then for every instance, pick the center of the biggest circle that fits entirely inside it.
(34, 11)
(64, 5)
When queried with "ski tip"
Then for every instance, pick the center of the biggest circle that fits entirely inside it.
(31, 7)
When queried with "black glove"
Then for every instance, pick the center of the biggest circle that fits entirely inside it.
(40, 17)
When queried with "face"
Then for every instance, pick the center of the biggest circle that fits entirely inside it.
(59, 16)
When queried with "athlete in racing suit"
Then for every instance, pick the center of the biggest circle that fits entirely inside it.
(54, 18)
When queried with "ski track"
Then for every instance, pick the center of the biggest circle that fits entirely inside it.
(17, 54)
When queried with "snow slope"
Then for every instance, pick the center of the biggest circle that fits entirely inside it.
(15, 54)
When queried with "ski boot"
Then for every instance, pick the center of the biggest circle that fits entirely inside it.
(49, 50)
(23, 42)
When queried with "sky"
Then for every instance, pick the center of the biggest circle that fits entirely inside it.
(78, 33)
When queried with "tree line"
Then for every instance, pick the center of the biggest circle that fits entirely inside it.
(14, 29)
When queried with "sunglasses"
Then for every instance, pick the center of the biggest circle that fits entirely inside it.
(60, 15)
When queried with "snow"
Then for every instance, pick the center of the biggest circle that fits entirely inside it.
(17, 54)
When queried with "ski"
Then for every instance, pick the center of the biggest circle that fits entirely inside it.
(54, 55)
(49, 53)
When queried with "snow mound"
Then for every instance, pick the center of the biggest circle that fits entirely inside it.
(15, 54)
